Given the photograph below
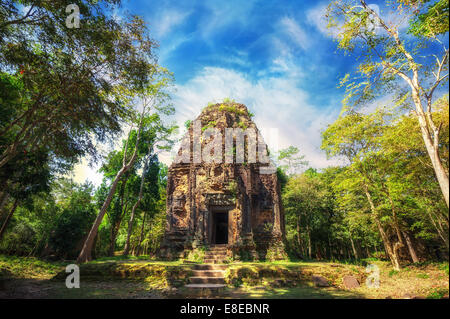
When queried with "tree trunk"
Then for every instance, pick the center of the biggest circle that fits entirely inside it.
(330, 248)
(115, 227)
(8, 218)
(432, 145)
(3, 199)
(85, 254)
(354, 248)
(309, 242)
(430, 132)
(299, 239)
(394, 215)
(391, 251)
(412, 251)
(86, 251)
(112, 239)
(443, 234)
(130, 229)
(141, 236)
(136, 205)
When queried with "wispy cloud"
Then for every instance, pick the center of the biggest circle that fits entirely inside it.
(295, 33)
(223, 14)
(316, 17)
(167, 20)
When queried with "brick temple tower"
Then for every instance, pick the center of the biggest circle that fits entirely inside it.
(237, 203)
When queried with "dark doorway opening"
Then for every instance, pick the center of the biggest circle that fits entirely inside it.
(220, 227)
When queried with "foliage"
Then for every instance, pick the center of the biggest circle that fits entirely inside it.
(290, 161)
(410, 68)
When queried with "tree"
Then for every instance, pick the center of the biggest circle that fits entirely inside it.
(412, 175)
(64, 89)
(71, 227)
(29, 175)
(161, 140)
(389, 56)
(153, 98)
(69, 77)
(305, 205)
(385, 165)
(150, 185)
(354, 136)
(290, 161)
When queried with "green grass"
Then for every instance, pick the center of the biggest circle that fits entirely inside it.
(304, 292)
(393, 273)
(147, 277)
(423, 276)
(28, 267)
(437, 293)
(444, 267)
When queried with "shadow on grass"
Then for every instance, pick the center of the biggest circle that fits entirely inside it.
(302, 292)
(56, 289)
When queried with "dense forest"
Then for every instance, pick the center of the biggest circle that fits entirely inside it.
(64, 91)
(385, 203)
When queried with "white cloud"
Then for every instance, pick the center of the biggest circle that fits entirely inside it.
(296, 34)
(316, 17)
(222, 14)
(276, 102)
(167, 20)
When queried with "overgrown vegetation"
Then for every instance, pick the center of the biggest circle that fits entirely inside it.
(387, 204)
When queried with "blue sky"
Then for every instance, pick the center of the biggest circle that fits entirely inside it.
(260, 39)
(277, 57)
(273, 56)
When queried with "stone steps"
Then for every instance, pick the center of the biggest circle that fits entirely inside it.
(216, 254)
(210, 267)
(207, 280)
(214, 261)
(205, 286)
(219, 254)
(208, 273)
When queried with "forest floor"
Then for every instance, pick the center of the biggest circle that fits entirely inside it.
(27, 277)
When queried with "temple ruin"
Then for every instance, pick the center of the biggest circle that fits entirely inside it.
(234, 204)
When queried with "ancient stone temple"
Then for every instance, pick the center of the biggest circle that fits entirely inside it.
(232, 200)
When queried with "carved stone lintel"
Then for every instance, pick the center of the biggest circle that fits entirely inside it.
(220, 199)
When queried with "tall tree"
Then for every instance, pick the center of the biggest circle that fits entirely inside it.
(154, 101)
(63, 89)
(160, 140)
(390, 55)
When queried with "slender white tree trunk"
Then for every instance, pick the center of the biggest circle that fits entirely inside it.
(86, 251)
(432, 147)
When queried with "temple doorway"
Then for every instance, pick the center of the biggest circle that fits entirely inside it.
(219, 227)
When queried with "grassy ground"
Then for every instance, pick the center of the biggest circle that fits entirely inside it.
(26, 277)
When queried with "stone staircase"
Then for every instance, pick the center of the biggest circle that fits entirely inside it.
(216, 254)
(209, 276)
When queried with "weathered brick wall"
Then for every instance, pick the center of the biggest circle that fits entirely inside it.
(256, 221)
